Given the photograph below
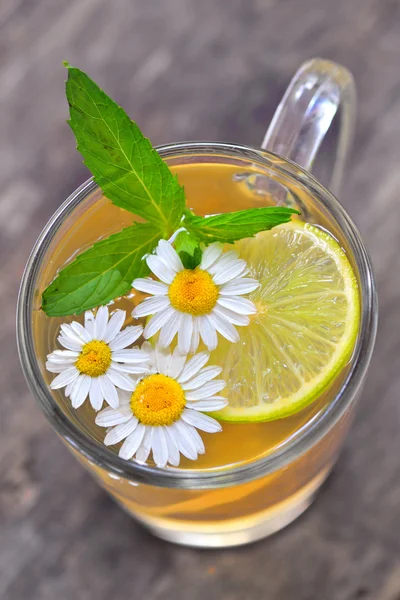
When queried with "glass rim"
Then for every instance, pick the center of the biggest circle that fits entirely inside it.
(305, 438)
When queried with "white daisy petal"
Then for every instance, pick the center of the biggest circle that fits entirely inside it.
(130, 356)
(96, 397)
(234, 265)
(160, 269)
(226, 259)
(114, 325)
(60, 360)
(126, 337)
(149, 286)
(132, 369)
(169, 256)
(228, 256)
(203, 377)
(157, 321)
(64, 378)
(169, 330)
(159, 359)
(89, 323)
(73, 387)
(120, 432)
(109, 417)
(173, 237)
(184, 440)
(148, 348)
(151, 306)
(231, 316)
(230, 272)
(124, 399)
(209, 389)
(194, 344)
(144, 450)
(63, 355)
(239, 286)
(173, 449)
(242, 306)
(176, 363)
(68, 332)
(198, 442)
(132, 442)
(80, 390)
(69, 388)
(193, 366)
(57, 360)
(210, 255)
(208, 332)
(208, 405)
(101, 321)
(120, 380)
(223, 326)
(56, 367)
(70, 344)
(159, 447)
(108, 390)
(200, 421)
(81, 331)
(185, 333)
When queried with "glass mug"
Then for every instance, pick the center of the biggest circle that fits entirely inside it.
(236, 503)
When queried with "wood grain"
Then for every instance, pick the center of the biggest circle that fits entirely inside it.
(194, 70)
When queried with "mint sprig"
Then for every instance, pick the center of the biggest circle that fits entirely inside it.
(102, 273)
(123, 162)
(133, 176)
(230, 227)
(188, 249)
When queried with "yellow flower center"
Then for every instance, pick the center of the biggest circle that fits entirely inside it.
(193, 291)
(94, 359)
(158, 400)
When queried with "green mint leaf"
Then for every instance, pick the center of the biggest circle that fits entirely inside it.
(190, 261)
(188, 249)
(102, 273)
(229, 227)
(124, 163)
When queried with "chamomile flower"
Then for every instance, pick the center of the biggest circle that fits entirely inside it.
(198, 302)
(164, 411)
(96, 359)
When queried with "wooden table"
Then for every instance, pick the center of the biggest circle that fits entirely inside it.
(194, 70)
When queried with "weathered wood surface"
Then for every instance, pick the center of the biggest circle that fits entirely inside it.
(194, 70)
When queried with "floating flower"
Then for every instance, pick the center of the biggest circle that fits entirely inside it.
(198, 302)
(164, 411)
(96, 360)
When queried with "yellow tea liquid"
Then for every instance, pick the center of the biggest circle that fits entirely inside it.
(244, 511)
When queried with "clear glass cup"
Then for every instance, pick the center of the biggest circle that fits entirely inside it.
(238, 503)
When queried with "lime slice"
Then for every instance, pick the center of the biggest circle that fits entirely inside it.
(304, 332)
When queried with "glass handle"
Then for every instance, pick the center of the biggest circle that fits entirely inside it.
(306, 112)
